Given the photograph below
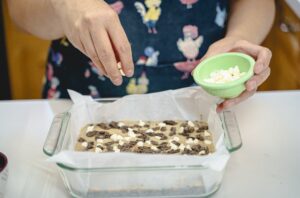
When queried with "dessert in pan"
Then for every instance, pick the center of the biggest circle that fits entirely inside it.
(164, 137)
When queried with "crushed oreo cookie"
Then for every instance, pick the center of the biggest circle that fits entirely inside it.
(170, 122)
(91, 133)
(114, 125)
(103, 126)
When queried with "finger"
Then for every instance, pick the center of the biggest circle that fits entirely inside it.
(261, 54)
(90, 50)
(106, 55)
(263, 60)
(232, 102)
(121, 46)
(257, 80)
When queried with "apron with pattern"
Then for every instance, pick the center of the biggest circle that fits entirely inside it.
(168, 38)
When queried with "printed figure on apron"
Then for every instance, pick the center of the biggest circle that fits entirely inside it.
(189, 46)
(151, 15)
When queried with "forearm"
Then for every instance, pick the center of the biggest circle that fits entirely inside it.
(251, 19)
(36, 17)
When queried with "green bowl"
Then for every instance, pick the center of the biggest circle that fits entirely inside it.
(224, 61)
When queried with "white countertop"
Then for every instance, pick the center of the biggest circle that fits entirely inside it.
(268, 164)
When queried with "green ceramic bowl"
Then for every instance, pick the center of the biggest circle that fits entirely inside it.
(224, 61)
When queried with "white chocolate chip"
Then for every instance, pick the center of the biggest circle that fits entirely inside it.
(202, 152)
(98, 150)
(161, 124)
(89, 129)
(130, 130)
(116, 137)
(191, 124)
(148, 142)
(153, 148)
(120, 68)
(190, 141)
(121, 124)
(157, 137)
(131, 134)
(181, 129)
(140, 144)
(176, 138)
(173, 146)
(121, 143)
(122, 72)
(223, 76)
(181, 147)
(206, 134)
(207, 142)
(99, 140)
(149, 131)
(141, 123)
(116, 149)
(188, 147)
(84, 144)
(196, 141)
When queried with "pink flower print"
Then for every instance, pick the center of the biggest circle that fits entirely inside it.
(186, 67)
(49, 72)
(87, 73)
(117, 6)
(52, 92)
(188, 3)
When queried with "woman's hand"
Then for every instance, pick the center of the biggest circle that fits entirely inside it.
(262, 70)
(94, 28)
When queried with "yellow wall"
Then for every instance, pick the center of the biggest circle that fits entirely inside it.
(27, 54)
(26, 59)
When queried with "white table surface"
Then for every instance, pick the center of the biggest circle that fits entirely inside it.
(268, 164)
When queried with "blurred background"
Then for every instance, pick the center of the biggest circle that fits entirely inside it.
(22, 57)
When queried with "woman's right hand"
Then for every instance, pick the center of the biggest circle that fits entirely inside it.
(94, 28)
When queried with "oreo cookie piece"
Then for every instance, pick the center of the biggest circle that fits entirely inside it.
(91, 133)
(170, 122)
(90, 145)
(103, 126)
(114, 124)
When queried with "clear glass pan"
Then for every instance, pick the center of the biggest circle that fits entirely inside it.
(162, 181)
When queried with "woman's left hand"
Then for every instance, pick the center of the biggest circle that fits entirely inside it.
(262, 56)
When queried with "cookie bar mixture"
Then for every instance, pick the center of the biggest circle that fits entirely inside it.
(166, 137)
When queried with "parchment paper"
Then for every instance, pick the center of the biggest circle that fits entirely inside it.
(182, 104)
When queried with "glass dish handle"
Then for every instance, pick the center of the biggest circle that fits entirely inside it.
(56, 133)
(233, 138)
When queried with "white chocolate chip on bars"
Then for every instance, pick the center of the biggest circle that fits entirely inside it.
(166, 137)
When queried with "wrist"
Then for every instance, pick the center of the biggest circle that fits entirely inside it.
(235, 35)
(57, 7)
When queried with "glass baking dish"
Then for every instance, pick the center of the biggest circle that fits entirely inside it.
(158, 181)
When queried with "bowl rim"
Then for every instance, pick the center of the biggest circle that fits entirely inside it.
(239, 81)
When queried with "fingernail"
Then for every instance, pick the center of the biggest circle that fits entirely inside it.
(130, 73)
(117, 81)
